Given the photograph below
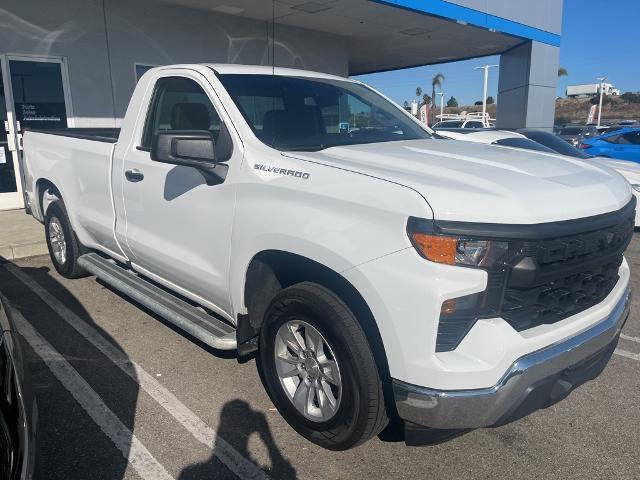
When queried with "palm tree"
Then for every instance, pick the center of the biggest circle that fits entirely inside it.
(436, 82)
(418, 93)
(562, 72)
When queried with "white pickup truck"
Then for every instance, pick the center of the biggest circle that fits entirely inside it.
(377, 271)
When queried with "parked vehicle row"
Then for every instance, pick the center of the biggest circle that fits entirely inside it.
(464, 120)
(376, 270)
(575, 134)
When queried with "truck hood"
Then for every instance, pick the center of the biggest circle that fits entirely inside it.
(629, 170)
(473, 182)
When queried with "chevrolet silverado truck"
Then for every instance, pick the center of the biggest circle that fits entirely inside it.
(375, 271)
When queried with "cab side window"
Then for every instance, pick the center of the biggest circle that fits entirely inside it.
(179, 103)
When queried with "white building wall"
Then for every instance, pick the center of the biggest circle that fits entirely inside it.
(148, 32)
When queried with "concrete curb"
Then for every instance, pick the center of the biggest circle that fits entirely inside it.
(14, 252)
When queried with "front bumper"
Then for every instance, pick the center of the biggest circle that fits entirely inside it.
(533, 381)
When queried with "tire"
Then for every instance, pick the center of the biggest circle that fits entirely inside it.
(63, 245)
(346, 406)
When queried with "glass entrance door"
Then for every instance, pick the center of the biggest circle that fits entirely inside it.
(9, 178)
(36, 97)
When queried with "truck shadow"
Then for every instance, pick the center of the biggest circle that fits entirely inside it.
(238, 423)
(69, 444)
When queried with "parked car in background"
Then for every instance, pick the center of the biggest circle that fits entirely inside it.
(17, 402)
(623, 144)
(470, 120)
(574, 134)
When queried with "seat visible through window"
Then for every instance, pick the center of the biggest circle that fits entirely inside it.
(190, 116)
(179, 103)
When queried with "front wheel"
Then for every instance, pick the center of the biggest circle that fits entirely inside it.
(318, 369)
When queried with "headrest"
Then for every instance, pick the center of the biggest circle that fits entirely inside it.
(190, 116)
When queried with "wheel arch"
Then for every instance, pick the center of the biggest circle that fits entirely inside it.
(41, 186)
(269, 271)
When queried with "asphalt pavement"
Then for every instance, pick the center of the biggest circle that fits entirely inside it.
(123, 395)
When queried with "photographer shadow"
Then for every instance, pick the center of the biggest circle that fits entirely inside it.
(238, 422)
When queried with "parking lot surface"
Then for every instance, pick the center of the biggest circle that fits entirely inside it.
(123, 395)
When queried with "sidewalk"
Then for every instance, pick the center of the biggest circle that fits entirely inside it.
(21, 235)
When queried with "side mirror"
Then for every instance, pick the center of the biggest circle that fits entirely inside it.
(194, 148)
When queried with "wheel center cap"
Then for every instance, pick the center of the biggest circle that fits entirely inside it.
(312, 367)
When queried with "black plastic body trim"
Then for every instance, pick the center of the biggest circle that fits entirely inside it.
(537, 231)
(106, 135)
(247, 337)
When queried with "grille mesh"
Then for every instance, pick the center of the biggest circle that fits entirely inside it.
(565, 276)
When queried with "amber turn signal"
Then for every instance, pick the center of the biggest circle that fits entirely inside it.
(436, 248)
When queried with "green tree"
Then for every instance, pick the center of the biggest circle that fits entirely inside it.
(436, 81)
(490, 100)
(405, 104)
(452, 102)
(426, 99)
(562, 72)
(418, 92)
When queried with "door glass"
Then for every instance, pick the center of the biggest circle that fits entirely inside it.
(38, 94)
(180, 104)
(7, 173)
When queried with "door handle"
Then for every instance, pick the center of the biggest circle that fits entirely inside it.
(134, 175)
(618, 149)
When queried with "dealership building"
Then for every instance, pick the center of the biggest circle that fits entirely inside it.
(75, 63)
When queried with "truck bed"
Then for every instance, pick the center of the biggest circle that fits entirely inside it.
(108, 135)
(78, 162)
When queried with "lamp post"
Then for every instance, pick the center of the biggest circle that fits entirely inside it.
(442, 94)
(601, 79)
(486, 82)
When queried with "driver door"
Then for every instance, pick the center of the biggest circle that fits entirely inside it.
(178, 228)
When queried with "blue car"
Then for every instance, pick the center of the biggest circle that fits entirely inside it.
(623, 144)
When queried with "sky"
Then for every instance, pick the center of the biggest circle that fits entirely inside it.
(598, 39)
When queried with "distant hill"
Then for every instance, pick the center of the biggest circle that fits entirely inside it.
(570, 110)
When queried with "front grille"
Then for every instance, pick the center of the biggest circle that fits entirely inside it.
(551, 271)
(555, 279)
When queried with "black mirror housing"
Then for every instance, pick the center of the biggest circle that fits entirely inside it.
(194, 148)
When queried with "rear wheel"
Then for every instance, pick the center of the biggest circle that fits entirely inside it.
(62, 243)
(318, 369)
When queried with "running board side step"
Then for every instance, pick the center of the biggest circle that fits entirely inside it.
(204, 327)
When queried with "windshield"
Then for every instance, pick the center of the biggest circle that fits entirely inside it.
(296, 113)
(554, 143)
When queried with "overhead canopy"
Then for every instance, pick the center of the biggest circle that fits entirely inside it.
(391, 34)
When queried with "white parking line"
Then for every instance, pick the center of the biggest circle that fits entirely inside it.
(202, 432)
(632, 339)
(131, 448)
(624, 353)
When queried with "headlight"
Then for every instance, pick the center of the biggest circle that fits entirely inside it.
(457, 315)
(636, 186)
(459, 251)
